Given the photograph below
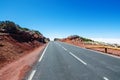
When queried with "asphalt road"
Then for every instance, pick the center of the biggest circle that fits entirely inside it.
(61, 61)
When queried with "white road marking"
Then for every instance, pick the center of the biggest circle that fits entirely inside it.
(31, 75)
(105, 78)
(64, 48)
(77, 58)
(43, 53)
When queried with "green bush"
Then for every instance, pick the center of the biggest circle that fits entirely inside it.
(86, 39)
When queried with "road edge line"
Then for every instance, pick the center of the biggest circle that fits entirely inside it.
(32, 74)
(43, 53)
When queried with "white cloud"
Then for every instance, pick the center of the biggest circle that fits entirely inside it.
(107, 40)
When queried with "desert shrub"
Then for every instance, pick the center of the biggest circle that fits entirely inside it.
(37, 32)
(1, 45)
(86, 39)
(9, 26)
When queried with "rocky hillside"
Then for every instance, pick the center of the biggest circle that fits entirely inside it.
(74, 39)
(16, 41)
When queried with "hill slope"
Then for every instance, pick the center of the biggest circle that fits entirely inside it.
(75, 40)
(16, 41)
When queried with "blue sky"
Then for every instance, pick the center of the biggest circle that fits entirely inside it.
(61, 18)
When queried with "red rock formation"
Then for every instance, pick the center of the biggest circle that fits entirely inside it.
(75, 40)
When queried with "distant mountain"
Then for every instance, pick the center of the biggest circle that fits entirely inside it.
(72, 37)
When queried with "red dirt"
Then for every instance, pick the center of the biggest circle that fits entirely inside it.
(74, 41)
(17, 57)
(17, 69)
(19, 49)
(11, 49)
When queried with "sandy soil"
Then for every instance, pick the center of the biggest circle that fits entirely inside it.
(11, 49)
(17, 69)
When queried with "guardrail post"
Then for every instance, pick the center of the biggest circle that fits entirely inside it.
(105, 50)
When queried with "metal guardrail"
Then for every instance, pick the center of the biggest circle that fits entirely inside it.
(104, 47)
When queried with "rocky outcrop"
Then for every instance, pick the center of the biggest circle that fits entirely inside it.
(74, 39)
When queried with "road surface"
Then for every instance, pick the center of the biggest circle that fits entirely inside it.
(61, 61)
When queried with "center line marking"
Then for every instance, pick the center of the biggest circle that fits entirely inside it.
(105, 78)
(64, 48)
(32, 74)
(77, 58)
(43, 53)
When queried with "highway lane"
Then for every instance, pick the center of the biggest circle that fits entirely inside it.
(61, 61)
